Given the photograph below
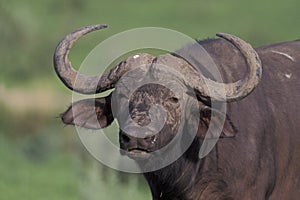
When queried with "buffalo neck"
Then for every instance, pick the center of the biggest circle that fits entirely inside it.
(189, 177)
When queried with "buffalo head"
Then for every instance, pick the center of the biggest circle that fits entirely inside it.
(166, 98)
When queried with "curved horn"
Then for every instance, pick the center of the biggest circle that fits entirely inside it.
(233, 91)
(90, 84)
(67, 74)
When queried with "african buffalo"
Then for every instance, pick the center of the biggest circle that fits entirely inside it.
(258, 153)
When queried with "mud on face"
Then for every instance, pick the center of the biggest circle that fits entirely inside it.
(140, 103)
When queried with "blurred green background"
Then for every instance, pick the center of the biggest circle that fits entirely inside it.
(42, 159)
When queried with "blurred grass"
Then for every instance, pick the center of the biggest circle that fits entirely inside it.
(30, 30)
(39, 168)
(42, 160)
(33, 174)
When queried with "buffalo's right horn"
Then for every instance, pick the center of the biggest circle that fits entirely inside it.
(90, 84)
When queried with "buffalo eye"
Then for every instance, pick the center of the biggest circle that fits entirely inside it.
(173, 99)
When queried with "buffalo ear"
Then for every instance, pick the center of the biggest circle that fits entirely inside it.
(216, 124)
(92, 113)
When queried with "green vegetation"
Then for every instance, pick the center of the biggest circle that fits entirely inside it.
(39, 168)
(28, 173)
(40, 159)
(30, 30)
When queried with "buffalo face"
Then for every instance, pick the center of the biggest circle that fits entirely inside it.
(137, 136)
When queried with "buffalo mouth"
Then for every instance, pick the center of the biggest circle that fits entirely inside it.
(138, 153)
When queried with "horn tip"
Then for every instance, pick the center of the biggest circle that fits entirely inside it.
(225, 35)
(96, 27)
(101, 26)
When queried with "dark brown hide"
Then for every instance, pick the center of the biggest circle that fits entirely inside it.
(262, 160)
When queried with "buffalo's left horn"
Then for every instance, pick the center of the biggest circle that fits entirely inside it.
(231, 91)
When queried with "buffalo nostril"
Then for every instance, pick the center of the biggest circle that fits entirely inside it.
(125, 138)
